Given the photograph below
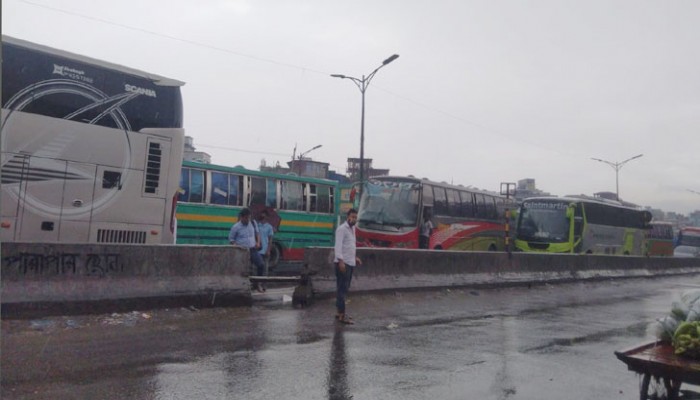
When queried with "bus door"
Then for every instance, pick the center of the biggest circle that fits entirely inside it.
(50, 201)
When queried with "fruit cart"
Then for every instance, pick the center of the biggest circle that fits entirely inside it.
(662, 370)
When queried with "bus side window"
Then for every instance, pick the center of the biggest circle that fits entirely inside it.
(304, 197)
(491, 210)
(184, 191)
(428, 195)
(196, 194)
(440, 205)
(312, 197)
(235, 193)
(271, 197)
(578, 221)
(454, 204)
(323, 199)
(480, 209)
(290, 195)
(219, 188)
(467, 204)
(331, 200)
(257, 190)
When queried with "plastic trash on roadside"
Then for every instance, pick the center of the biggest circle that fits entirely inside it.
(666, 327)
(680, 310)
(286, 298)
(694, 312)
(690, 297)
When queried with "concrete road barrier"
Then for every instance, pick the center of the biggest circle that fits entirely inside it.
(384, 269)
(45, 279)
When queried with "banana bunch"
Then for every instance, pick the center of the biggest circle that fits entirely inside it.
(686, 339)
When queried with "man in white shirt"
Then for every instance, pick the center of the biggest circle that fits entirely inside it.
(345, 260)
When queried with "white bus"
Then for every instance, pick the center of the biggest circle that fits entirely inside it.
(91, 151)
(581, 224)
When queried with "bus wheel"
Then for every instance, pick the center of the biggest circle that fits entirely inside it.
(275, 255)
(492, 247)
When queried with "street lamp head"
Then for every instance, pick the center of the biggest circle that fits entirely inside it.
(390, 59)
(338, 76)
(316, 147)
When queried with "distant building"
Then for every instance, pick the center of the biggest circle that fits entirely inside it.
(301, 167)
(277, 168)
(354, 169)
(694, 218)
(527, 188)
(190, 153)
(334, 176)
(308, 167)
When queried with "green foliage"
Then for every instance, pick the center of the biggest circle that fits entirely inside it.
(686, 339)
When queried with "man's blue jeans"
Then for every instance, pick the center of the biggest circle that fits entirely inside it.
(257, 261)
(342, 281)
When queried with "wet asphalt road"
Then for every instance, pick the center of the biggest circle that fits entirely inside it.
(545, 342)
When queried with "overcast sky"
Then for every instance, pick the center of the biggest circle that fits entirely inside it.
(484, 92)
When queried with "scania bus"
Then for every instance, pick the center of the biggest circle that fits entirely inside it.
(581, 224)
(91, 151)
(303, 210)
(391, 212)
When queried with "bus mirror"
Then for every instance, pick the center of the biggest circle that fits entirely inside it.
(646, 216)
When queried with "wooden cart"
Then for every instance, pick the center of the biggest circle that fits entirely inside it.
(662, 371)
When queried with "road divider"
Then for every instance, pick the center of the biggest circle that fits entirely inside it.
(387, 269)
(41, 279)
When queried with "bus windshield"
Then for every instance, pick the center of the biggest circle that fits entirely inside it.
(686, 237)
(389, 203)
(543, 221)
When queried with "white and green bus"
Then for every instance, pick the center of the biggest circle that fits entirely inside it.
(581, 225)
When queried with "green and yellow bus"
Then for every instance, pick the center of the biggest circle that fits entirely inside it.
(581, 224)
(303, 209)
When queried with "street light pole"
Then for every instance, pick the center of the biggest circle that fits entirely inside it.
(617, 166)
(362, 84)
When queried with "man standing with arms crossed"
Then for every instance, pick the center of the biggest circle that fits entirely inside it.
(345, 260)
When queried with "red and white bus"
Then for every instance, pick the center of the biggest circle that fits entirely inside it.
(688, 242)
(392, 208)
(660, 239)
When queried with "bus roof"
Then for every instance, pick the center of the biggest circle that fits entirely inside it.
(245, 171)
(434, 183)
(156, 79)
(583, 199)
